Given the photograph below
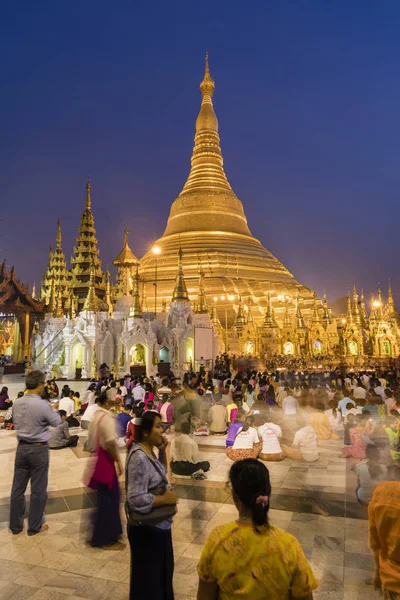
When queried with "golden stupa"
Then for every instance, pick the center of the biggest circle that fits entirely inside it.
(208, 223)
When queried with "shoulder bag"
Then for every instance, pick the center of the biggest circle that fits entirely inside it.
(156, 514)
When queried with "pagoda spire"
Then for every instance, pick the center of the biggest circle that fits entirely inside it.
(34, 291)
(240, 320)
(86, 256)
(180, 293)
(58, 236)
(299, 316)
(202, 300)
(107, 297)
(125, 262)
(286, 316)
(316, 318)
(391, 307)
(136, 310)
(326, 317)
(349, 314)
(88, 203)
(363, 310)
(91, 301)
(356, 310)
(269, 319)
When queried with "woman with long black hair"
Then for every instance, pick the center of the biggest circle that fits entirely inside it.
(150, 506)
(249, 558)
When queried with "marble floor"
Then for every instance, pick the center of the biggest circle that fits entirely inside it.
(59, 566)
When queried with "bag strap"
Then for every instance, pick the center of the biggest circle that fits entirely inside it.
(153, 462)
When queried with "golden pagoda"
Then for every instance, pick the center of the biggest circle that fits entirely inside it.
(125, 262)
(56, 271)
(86, 257)
(208, 221)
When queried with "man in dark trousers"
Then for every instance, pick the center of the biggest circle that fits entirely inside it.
(31, 417)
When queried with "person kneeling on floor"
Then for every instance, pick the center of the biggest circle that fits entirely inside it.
(60, 437)
(184, 454)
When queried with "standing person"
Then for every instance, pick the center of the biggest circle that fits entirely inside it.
(147, 489)
(107, 528)
(384, 537)
(249, 558)
(31, 418)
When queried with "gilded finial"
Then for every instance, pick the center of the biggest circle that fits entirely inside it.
(126, 233)
(202, 300)
(136, 310)
(59, 312)
(58, 236)
(88, 200)
(180, 293)
(91, 302)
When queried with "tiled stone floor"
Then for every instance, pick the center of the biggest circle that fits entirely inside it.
(57, 565)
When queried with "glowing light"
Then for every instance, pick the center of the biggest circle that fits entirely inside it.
(215, 298)
(343, 321)
(156, 250)
(222, 298)
(231, 298)
(376, 304)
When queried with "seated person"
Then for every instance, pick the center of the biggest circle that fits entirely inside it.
(66, 403)
(60, 437)
(351, 422)
(184, 454)
(305, 444)
(363, 428)
(217, 417)
(320, 423)
(270, 434)
(370, 472)
(234, 427)
(122, 419)
(351, 410)
(247, 443)
(392, 430)
(133, 425)
(231, 412)
(166, 410)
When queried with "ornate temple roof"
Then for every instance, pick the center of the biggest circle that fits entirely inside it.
(14, 296)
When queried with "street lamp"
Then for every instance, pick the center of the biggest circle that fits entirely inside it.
(225, 299)
(156, 250)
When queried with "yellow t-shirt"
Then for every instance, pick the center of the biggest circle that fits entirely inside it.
(254, 566)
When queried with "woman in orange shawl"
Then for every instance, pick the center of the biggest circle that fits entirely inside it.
(321, 424)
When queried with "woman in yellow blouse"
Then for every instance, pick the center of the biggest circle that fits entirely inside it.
(250, 559)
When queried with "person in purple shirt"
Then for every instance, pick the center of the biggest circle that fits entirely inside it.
(31, 417)
(234, 428)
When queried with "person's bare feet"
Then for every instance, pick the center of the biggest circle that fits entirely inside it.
(43, 528)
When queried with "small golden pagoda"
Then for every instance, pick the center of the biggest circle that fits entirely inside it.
(86, 257)
(125, 262)
(56, 271)
(208, 221)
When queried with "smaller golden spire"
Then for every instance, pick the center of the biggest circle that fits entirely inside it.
(299, 315)
(250, 319)
(202, 301)
(72, 310)
(356, 309)
(59, 236)
(326, 317)
(136, 310)
(349, 314)
(316, 319)
(180, 293)
(91, 302)
(107, 297)
(34, 290)
(240, 320)
(286, 316)
(269, 319)
(59, 312)
(88, 200)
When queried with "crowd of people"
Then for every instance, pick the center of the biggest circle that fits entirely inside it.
(265, 417)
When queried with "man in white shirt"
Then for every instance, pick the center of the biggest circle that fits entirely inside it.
(88, 415)
(68, 405)
(138, 393)
(380, 391)
(185, 454)
(289, 404)
(359, 392)
(365, 380)
(305, 445)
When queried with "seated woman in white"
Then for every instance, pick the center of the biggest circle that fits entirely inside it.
(247, 443)
(270, 434)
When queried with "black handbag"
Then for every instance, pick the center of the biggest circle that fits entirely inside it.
(158, 513)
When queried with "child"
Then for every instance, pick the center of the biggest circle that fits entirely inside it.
(351, 422)
(133, 425)
(60, 437)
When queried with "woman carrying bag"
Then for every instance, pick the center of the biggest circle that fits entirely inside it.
(150, 506)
